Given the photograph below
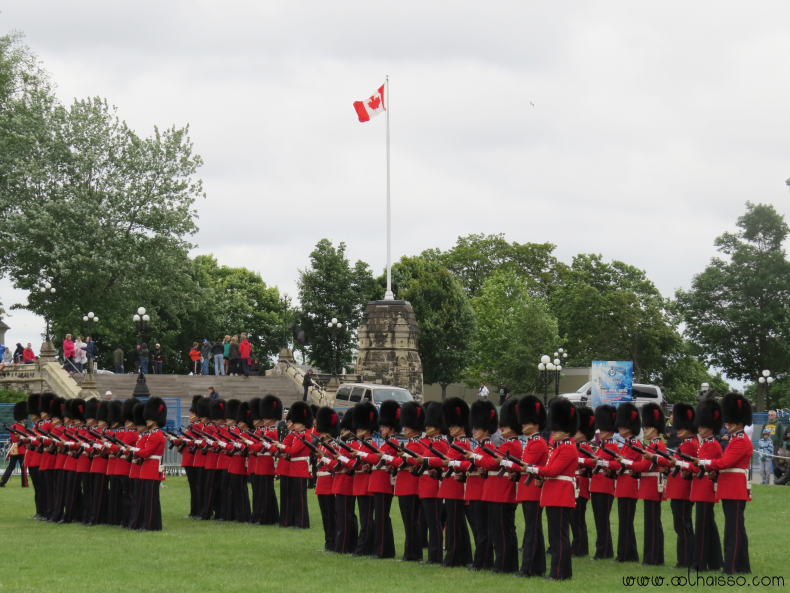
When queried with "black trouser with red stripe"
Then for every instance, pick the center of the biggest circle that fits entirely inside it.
(432, 511)
(286, 507)
(269, 511)
(225, 497)
(383, 539)
(241, 498)
(126, 494)
(211, 493)
(298, 503)
(580, 545)
(365, 540)
(533, 546)
(558, 519)
(654, 534)
(194, 477)
(459, 548)
(136, 502)
(484, 547)
(707, 545)
(326, 502)
(40, 490)
(72, 497)
(85, 486)
(50, 480)
(99, 494)
(114, 501)
(626, 538)
(502, 531)
(736, 542)
(60, 481)
(12, 461)
(346, 537)
(150, 511)
(684, 528)
(602, 508)
(410, 512)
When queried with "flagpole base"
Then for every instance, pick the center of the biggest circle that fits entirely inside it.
(388, 296)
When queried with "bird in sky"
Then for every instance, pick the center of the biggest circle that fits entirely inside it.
(531, 103)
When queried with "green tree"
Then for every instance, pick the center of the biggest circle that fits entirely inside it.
(445, 317)
(736, 311)
(514, 328)
(332, 288)
(611, 311)
(682, 374)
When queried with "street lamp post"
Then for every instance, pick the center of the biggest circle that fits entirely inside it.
(47, 348)
(334, 326)
(286, 300)
(560, 357)
(550, 371)
(141, 320)
(545, 367)
(89, 322)
(765, 381)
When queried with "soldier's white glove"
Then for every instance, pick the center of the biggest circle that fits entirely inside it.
(237, 445)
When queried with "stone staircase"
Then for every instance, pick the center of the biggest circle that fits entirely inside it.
(185, 386)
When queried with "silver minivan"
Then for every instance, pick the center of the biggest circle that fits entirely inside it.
(350, 394)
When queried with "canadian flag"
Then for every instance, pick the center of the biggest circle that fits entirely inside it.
(366, 110)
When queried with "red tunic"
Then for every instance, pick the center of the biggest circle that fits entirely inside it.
(324, 475)
(452, 489)
(583, 470)
(406, 483)
(32, 455)
(651, 481)
(134, 471)
(264, 454)
(84, 461)
(14, 439)
(703, 489)
(152, 451)
(475, 482)
(46, 461)
(343, 482)
(100, 462)
(628, 483)
(299, 454)
(499, 489)
(733, 468)
(559, 486)
(429, 487)
(536, 452)
(599, 482)
(678, 487)
(380, 479)
(212, 457)
(60, 460)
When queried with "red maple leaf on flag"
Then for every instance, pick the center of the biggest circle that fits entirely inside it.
(374, 102)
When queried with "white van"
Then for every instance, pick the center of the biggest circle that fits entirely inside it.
(642, 394)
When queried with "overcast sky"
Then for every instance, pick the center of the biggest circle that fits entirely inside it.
(653, 122)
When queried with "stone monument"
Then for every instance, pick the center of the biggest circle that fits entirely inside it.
(388, 339)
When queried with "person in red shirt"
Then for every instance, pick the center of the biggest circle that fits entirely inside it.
(559, 491)
(224, 434)
(16, 454)
(270, 412)
(151, 452)
(33, 455)
(327, 426)
(365, 421)
(628, 425)
(602, 482)
(115, 501)
(299, 456)
(192, 461)
(212, 492)
(245, 351)
(734, 489)
(130, 436)
(28, 356)
(580, 544)
(459, 548)
(532, 416)
(500, 492)
(343, 489)
(707, 545)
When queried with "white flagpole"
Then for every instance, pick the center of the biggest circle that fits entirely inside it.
(388, 296)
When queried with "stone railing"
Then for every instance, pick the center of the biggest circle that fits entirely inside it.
(38, 377)
(316, 395)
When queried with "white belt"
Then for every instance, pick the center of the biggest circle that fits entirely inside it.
(565, 478)
(360, 472)
(735, 470)
(300, 459)
(263, 454)
(650, 474)
(323, 474)
(154, 457)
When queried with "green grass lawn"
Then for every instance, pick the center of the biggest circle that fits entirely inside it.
(194, 556)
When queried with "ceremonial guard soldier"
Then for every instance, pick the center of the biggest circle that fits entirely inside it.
(627, 491)
(532, 417)
(192, 461)
(47, 460)
(707, 545)
(327, 426)
(33, 456)
(115, 466)
(151, 450)
(500, 492)
(130, 436)
(240, 503)
(57, 413)
(583, 437)
(382, 480)
(77, 463)
(343, 489)
(455, 412)
(212, 489)
(98, 472)
(135, 513)
(365, 421)
(299, 455)
(559, 486)
(284, 471)
(602, 483)
(733, 486)
(223, 462)
(271, 412)
(17, 451)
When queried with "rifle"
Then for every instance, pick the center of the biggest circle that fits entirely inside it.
(498, 455)
(443, 457)
(641, 451)
(117, 442)
(372, 448)
(398, 447)
(690, 460)
(598, 468)
(660, 453)
(347, 449)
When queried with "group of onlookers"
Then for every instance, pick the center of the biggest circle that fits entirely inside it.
(19, 356)
(78, 356)
(231, 356)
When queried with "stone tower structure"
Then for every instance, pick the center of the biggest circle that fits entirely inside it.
(388, 339)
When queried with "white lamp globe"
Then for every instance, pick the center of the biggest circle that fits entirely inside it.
(90, 315)
(48, 286)
(556, 361)
(136, 318)
(339, 325)
(549, 367)
(96, 319)
(52, 290)
(329, 324)
(559, 367)
(85, 318)
(43, 289)
(334, 320)
(545, 359)
(761, 380)
(541, 367)
(146, 318)
(766, 373)
(141, 311)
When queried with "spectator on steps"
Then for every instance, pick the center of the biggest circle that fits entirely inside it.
(28, 356)
(212, 394)
(79, 354)
(765, 447)
(159, 359)
(218, 352)
(144, 356)
(777, 431)
(118, 360)
(18, 353)
(137, 358)
(245, 349)
(307, 383)
(205, 356)
(235, 356)
(194, 354)
(226, 354)
(90, 353)
(8, 358)
(68, 353)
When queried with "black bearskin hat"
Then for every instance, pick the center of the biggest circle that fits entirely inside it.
(103, 412)
(653, 417)
(128, 409)
(366, 417)
(20, 411)
(709, 415)
(114, 412)
(193, 408)
(34, 404)
(412, 416)
(46, 403)
(77, 409)
(606, 418)
(628, 417)
(586, 422)
(91, 409)
(508, 415)
(483, 416)
(563, 416)
(532, 411)
(389, 414)
(433, 416)
(314, 410)
(455, 412)
(216, 409)
(204, 408)
(347, 422)
(683, 417)
(301, 414)
(736, 409)
(156, 410)
(244, 414)
(327, 422)
(255, 408)
(137, 413)
(57, 409)
(271, 408)
(232, 409)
